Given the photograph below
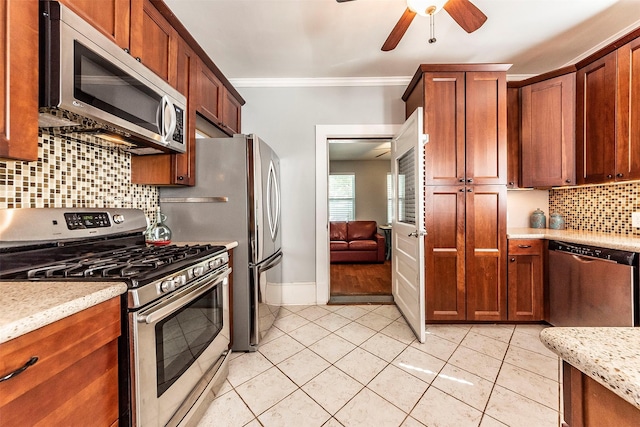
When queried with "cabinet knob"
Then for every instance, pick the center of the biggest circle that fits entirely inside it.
(568, 181)
(609, 176)
(620, 175)
(461, 190)
(126, 49)
(180, 178)
(469, 190)
(512, 183)
(461, 180)
(138, 59)
(512, 260)
(470, 180)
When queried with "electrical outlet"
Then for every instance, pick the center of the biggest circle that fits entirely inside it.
(635, 219)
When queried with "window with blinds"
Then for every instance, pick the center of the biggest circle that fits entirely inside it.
(342, 197)
(406, 190)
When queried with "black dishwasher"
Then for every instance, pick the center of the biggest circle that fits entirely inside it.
(592, 286)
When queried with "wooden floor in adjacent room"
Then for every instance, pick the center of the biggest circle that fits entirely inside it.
(361, 279)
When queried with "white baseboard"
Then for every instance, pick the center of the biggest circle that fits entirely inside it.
(301, 293)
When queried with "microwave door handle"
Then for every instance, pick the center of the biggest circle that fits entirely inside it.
(168, 133)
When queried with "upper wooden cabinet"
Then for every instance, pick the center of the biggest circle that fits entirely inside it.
(19, 80)
(547, 132)
(513, 137)
(215, 102)
(154, 42)
(608, 105)
(628, 112)
(465, 115)
(111, 17)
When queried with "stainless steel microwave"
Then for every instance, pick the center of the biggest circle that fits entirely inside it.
(89, 84)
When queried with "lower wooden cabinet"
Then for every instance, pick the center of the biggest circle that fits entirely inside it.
(465, 253)
(525, 279)
(587, 403)
(75, 379)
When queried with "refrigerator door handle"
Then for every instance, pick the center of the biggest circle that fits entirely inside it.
(268, 263)
(272, 186)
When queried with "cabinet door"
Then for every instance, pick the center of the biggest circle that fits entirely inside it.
(208, 95)
(628, 115)
(513, 137)
(173, 169)
(153, 40)
(444, 122)
(525, 280)
(111, 17)
(231, 109)
(486, 252)
(19, 80)
(444, 253)
(596, 121)
(486, 128)
(548, 132)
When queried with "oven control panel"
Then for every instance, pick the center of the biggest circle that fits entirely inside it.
(83, 220)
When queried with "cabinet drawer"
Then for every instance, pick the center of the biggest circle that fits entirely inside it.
(525, 246)
(77, 356)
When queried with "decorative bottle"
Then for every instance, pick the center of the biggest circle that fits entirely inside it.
(159, 233)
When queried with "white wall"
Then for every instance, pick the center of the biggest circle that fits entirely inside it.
(286, 118)
(371, 186)
(521, 203)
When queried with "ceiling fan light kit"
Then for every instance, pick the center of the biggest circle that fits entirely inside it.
(425, 7)
(465, 13)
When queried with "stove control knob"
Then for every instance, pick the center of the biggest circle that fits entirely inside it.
(168, 285)
(118, 218)
(198, 271)
(180, 280)
(215, 263)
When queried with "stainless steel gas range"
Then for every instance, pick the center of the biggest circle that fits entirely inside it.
(173, 351)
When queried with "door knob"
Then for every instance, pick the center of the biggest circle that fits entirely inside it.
(417, 233)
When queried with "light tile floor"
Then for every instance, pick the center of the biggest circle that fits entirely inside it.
(361, 366)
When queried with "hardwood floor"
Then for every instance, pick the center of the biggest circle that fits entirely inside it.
(361, 279)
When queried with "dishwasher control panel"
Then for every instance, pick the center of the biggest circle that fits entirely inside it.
(616, 255)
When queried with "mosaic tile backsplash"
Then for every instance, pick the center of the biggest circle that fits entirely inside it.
(73, 173)
(603, 208)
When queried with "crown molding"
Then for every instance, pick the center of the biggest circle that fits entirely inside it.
(321, 81)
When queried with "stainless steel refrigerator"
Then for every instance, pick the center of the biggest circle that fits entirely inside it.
(236, 197)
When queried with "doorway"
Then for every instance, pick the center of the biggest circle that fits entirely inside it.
(324, 133)
(359, 208)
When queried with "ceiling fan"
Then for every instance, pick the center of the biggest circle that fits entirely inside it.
(465, 13)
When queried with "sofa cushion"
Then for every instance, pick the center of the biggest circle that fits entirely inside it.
(363, 245)
(339, 245)
(338, 230)
(361, 230)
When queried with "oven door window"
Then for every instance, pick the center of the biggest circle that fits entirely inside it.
(184, 335)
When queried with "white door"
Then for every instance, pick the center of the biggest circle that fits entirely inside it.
(407, 235)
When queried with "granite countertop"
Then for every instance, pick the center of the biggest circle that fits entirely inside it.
(611, 356)
(27, 306)
(604, 240)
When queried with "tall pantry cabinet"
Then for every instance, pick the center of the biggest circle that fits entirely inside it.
(465, 189)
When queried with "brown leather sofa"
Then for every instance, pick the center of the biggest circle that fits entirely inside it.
(356, 241)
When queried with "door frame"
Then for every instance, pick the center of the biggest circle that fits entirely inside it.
(323, 133)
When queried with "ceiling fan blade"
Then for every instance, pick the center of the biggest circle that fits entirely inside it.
(398, 31)
(466, 14)
(343, 1)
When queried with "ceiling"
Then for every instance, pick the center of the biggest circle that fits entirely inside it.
(315, 39)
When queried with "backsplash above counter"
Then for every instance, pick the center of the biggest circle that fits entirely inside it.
(72, 173)
(598, 208)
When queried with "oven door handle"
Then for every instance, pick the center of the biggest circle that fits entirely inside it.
(158, 313)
